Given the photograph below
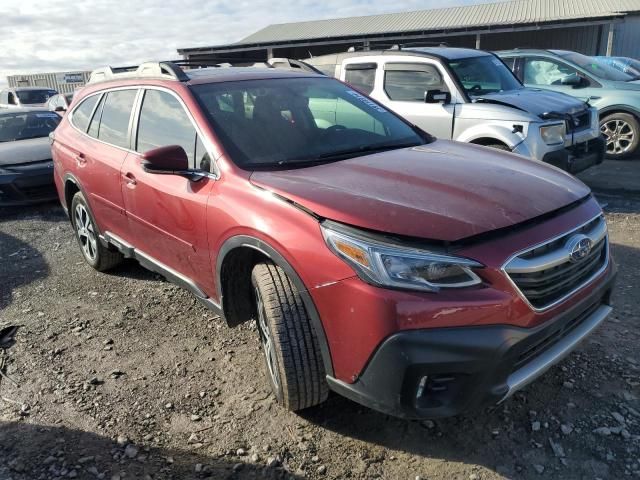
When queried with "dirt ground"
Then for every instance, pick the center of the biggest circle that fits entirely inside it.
(125, 376)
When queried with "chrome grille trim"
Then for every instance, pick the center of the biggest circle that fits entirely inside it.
(526, 262)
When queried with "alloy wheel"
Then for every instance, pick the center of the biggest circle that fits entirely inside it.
(267, 341)
(86, 232)
(620, 136)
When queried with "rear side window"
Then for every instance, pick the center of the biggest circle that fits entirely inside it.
(163, 121)
(116, 113)
(361, 76)
(82, 114)
(509, 62)
(408, 82)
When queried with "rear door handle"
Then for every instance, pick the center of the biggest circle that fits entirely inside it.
(80, 159)
(129, 179)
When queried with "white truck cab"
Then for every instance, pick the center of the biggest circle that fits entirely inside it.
(472, 96)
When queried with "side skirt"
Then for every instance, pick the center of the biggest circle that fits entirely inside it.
(156, 266)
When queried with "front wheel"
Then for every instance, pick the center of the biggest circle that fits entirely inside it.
(622, 134)
(289, 343)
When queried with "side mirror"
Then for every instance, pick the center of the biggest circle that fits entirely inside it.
(169, 160)
(437, 96)
(60, 109)
(574, 80)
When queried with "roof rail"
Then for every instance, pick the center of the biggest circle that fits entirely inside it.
(167, 70)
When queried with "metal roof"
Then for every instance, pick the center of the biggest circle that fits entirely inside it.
(509, 13)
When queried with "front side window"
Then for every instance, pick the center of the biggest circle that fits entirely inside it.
(116, 113)
(30, 97)
(361, 76)
(82, 113)
(163, 122)
(408, 82)
(546, 71)
(22, 126)
(482, 75)
(296, 122)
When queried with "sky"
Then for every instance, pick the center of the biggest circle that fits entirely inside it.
(38, 36)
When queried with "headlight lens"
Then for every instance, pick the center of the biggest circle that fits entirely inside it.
(399, 267)
(553, 134)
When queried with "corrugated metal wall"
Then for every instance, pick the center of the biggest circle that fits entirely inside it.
(63, 82)
(579, 39)
(626, 40)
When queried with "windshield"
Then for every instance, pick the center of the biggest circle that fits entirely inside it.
(596, 67)
(481, 75)
(298, 122)
(624, 64)
(21, 126)
(35, 96)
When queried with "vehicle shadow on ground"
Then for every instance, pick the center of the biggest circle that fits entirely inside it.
(30, 451)
(25, 264)
(48, 212)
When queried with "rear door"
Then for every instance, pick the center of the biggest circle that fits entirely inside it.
(167, 213)
(97, 151)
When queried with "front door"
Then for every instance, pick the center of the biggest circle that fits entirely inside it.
(167, 213)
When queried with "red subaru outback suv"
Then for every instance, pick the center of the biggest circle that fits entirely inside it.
(417, 276)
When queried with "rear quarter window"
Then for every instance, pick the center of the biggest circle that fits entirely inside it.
(82, 114)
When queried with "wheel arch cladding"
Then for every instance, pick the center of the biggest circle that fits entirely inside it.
(240, 254)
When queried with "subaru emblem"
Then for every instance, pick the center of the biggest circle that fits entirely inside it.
(579, 247)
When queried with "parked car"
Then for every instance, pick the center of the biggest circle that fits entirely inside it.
(471, 96)
(420, 277)
(60, 102)
(630, 66)
(614, 93)
(25, 97)
(26, 168)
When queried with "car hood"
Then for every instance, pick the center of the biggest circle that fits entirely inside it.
(536, 101)
(25, 151)
(442, 191)
(633, 85)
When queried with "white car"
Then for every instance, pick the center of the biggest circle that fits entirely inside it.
(26, 97)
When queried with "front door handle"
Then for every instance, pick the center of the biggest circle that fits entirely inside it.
(130, 180)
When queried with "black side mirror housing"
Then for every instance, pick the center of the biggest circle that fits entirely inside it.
(437, 96)
(169, 160)
(60, 109)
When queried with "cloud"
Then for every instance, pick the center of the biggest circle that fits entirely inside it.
(39, 36)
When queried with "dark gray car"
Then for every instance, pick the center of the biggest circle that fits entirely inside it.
(26, 168)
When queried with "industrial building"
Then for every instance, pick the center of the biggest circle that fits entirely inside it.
(592, 27)
(62, 82)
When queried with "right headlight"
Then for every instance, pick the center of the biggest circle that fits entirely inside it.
(395, 266)
(553, 134)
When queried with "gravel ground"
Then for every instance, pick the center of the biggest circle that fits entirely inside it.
(124, 376)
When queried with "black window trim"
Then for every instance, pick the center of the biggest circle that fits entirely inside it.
(134, 118)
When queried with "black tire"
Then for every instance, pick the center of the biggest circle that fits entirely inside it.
(499, 146)
(622, 133)
(295, 369)
(84, 226)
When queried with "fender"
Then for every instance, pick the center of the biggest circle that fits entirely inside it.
(271, 253)
(619, 108)
(501, 133)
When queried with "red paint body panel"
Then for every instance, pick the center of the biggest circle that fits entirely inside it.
(442, 191)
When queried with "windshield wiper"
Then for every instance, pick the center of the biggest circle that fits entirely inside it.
(364, 149)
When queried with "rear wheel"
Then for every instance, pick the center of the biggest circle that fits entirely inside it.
(622, 133)
(290, 346)
(94, 252)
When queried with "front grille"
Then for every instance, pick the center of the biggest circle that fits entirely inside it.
(579, 121)
(546, 274)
